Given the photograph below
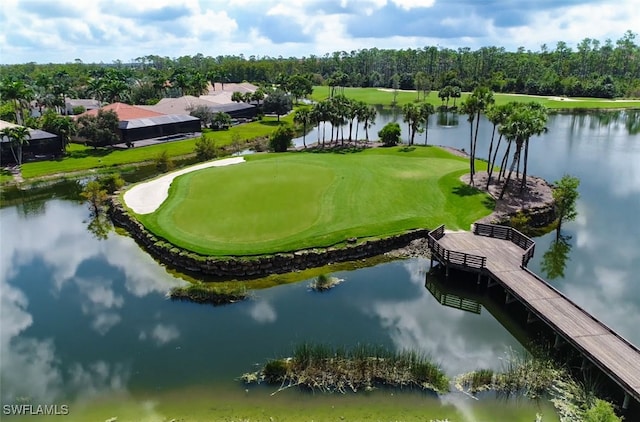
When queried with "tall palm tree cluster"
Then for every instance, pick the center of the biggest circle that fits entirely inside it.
(516, 122)
(417, 118)
(339, 112)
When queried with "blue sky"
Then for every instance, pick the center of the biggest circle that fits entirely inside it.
(61, 31)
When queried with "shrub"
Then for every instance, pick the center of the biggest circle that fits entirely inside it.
(205, 149)
(390, 134)
(281, 139)
(163, 161)
(601, 411)
(112, 182)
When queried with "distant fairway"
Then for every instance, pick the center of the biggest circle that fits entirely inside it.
(285, 202)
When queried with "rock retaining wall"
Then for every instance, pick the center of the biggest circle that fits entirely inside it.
(257, 266)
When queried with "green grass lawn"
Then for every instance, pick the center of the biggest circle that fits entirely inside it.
(375, 96)
(284, 202)
(82, 158)
(5, 176)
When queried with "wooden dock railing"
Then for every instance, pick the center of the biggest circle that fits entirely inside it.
(507, 233)
(447, 257)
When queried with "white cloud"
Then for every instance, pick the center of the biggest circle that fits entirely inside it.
(412, 4)
(104, 30)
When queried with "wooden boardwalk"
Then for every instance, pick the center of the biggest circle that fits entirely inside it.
(501, 253)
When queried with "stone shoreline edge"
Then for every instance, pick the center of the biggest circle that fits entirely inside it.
(254, 266)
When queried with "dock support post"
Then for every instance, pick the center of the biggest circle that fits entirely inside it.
(556, 343)
(509, 298)
(479, 278)
(531, 318)
(446, 271)
(625, 403)
(491, 283)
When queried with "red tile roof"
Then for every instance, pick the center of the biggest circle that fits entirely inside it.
(125, 112)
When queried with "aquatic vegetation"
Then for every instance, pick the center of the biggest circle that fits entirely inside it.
(536, 377)
(329, 369)
(323, 282)
(213, 293)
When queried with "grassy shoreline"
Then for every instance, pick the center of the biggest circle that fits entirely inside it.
(384, 97)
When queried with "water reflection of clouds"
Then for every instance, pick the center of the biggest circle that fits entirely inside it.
(600, 276)
(30, 367)
(161, 334)
(263, 312)
(100, 302)
(65, 246)
(461, 341)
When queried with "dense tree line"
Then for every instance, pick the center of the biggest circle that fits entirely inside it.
(591, 68)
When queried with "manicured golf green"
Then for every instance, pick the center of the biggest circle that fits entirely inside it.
(285, 202)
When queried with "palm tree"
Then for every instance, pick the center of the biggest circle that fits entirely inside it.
(198, 84)
(469, 107)
(65, 127)
(96, 89)
(321, 112)
(455, 93)
(258, 95)
(412, 117)
(476, 103)
(496, 115)
(303, 116)
(369, 119)
(361, 111)
(19, 94)
(17, 136)
(443, 94)
(351, 113)
(539, 125)
(525, 121)
(237, 97)
(426, 110)
(337, 114)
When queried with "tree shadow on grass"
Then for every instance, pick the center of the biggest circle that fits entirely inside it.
(466, 190)
(85, 153)
(270, 123)
(406, 149)
(350, 149)
(489, 203)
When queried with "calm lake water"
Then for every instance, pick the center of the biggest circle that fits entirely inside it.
(85, 321)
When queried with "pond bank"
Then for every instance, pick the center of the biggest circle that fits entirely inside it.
(535, 201)
(256, 266)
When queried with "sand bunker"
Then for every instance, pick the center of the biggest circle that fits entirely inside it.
(146, 197)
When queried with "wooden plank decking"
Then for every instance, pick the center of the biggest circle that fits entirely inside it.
(614, 355)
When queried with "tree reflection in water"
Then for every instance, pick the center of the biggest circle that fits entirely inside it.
(100, 225)
(554, 260)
